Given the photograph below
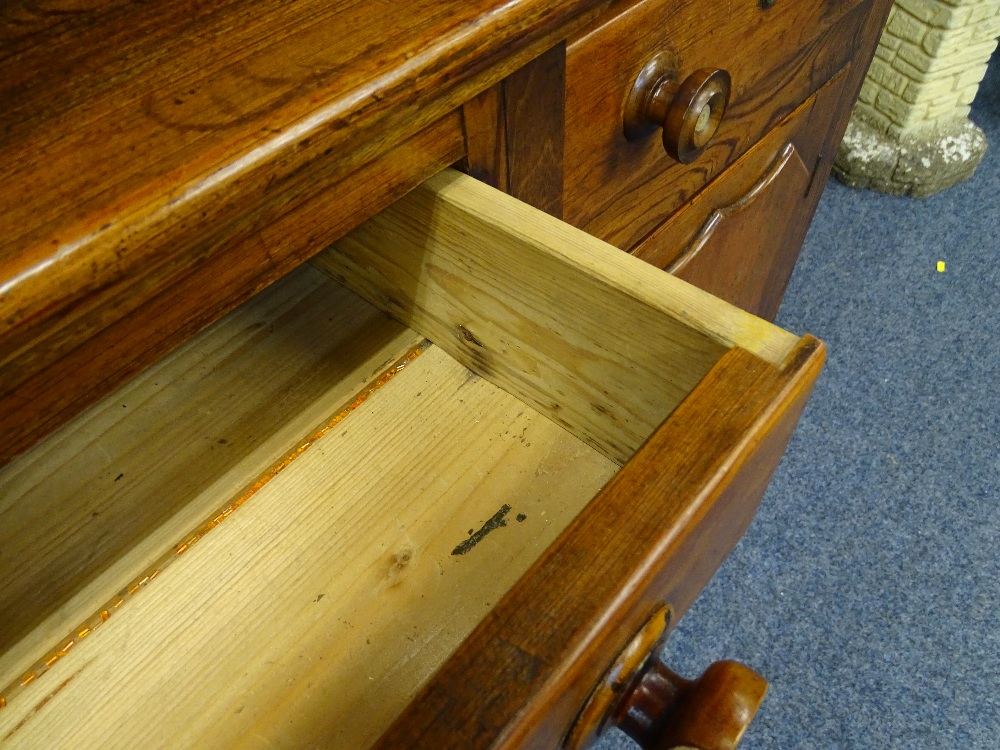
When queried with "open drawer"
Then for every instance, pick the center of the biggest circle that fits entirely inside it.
(316, 525)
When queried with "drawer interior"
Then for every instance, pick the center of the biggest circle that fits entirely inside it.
(277, 534)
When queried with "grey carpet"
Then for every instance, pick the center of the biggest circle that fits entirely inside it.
(867, 589)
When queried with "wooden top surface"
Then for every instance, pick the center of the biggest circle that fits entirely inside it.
(126, 125)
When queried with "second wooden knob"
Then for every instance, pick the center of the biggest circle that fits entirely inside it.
(689, 111)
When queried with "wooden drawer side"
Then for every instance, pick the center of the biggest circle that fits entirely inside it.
(280, 532)
(603, 344)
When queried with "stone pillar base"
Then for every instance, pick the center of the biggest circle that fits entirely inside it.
(917, 164)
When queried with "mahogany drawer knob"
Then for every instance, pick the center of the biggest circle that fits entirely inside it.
(663, 711)
(689, 111)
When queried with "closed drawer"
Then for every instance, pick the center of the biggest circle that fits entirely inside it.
(739, 237)
(618, 189)
(311, 525)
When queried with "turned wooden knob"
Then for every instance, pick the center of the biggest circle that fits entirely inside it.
(661, 710)
(689, 111)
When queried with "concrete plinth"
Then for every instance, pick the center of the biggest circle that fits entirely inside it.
(917, 164)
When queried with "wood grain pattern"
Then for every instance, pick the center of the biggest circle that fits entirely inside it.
(534, 111)
(148, 320)
(619, 191)
(740, 254)
(89, 509)
(514, 133)
(136, 137)
(804, 129)
(601, 343)
(312, 614)
(177, 158)
(815, 129)
(650, 536)
(485, 122)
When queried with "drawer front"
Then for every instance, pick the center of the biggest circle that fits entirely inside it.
(737, 238)
(776, 58)
(739, 251)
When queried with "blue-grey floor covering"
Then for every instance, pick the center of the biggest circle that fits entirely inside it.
(867, 590)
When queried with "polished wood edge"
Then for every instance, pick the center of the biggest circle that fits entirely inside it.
(809, 354)
(39, 303)
(193, 298)
(656, 533)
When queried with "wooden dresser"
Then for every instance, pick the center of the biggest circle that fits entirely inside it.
(452, 481)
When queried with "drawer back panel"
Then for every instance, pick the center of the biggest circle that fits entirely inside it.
(602, 344)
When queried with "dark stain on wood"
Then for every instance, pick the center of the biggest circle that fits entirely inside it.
(493, 524)
(467, 335)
